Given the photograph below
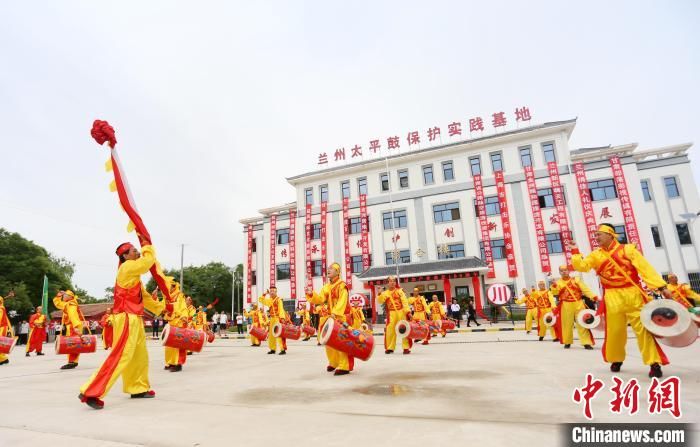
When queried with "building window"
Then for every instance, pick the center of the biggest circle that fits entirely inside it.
(323, 193)
(362, 186)
(315, 231)
(498, 249)
(356, 264)
(282, 271)
(254, 247)
(428, 175)
(384, 181)
(453, 251)
(655, 234)
(345, 189)
(645, 190)
(554, 244)
(491, 206)
(253, 278)
(309, 192)
(671, 187)
(621, 234)
(403, 178)
(526, 156)
(475, 165)
(400, 219)
(694, 280)
(404, 257)
(283, 236)
(317, 268)
(448, 172)
(602, 190)
(497, 161)
(683, 234)
(446, 212)
(462, 291)
(545, 196)
(548, 150)
(355, 225)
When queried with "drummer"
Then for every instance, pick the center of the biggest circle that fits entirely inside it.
(258, 319)
(5, 325)
(305, 317)
(72, 320)
(176, 315)
(397, 309)
(571, 291)
(277, 315)
(437, 312)
(682, 293)
(421, 312)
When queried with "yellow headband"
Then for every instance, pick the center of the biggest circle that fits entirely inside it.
(335, 266)
(606, 229)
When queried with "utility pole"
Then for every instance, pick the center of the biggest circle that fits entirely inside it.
(233, 293)
(182, 261)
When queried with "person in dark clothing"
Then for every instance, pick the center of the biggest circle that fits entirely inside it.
(156, 326)
(472, 313)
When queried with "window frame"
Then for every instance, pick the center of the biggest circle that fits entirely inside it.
(353, 261)
(459, 211)
(544, 152)
(393, 221)
(472, 159)
(646, 190)
(280, 232)
(452, 252)
(500, 160)
(389, 260)
(314, 263)
(621, 232)
(501, 249)
(432, 174)
(279, 277)
(309, 192)
(604, 188)
(675, 185)
(656, 236)
(550, 242)
(451, 169)
(352, 226)
(321, 190)
(381, 182)
(343, 185)
(399, 173)
(362, 181)
(687, 231)
(527, 148)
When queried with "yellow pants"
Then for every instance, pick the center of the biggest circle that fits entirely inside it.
(622, 306)
(338, 359)
(541, 328)
(3, 331)
(73, 358)
(393, 318)
(128, 359)
(530, 316)
(569, 309)
(275, 342)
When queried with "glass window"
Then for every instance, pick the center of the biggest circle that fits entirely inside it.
(655, 234)
(404, 257)
(683, 234)
(548, 150)
(475, 165)
(355, 225)
(428, 175)
(498, 249)
(254, 248)
(447, 212)
(309, 192)
(645, 190)
(357, 264)
(526, 156)
(545, 197)
(621, 233)
(453, 251)
(671, 187)
(315, 231)
(323, 193)
(463, 291)
(362, 186)
(491, 205)
(317, 268)
(497, 161)
(448, 172)
(282, 271)
(554, 244)
(400, 219)
(602, 189)
(403, 178)
(384, 181)
(345, 189)
(254, 278)
(694, 280)
(283, 236)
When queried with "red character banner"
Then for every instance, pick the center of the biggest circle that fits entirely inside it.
(273, 246)
(249, 283)
(346, 240)
(586, 203)
(505, 224)
(537, 217)
(625, 203)
(309, 234)
(560, 205)
(324, 245)
(365, 231)
(293, 254)
(483, 224)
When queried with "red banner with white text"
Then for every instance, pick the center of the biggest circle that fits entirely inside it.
(346, 242)
(586, 203)
(505, 224)
(483, 225)
(273, 247)
(309, 234)
(293, 254)
(249, 279)
(560, 205)
(364, 221)
(537, 218)
(625, 203)
(324, 239)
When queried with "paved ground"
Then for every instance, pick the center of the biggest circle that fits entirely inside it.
(486, 388)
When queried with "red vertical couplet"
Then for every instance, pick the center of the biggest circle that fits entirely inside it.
(537, 218)
(476, 285)
(586, 203)
(309, 234)
(346, 241)
(505, 224)
(249, 279)
(365, 231)
(625, 203)
(273, 248)
(293, 254)
(560, 206)
(447, 287)
(324, 239)
(483, 225)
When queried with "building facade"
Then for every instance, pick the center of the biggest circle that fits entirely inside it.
(426, 213)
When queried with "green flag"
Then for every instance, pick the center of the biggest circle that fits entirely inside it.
(45, 297)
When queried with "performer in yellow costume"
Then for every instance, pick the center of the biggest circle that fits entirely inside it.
(107, 323)
(335, 294)
(277, 314)
(305, 316)
(37, 332)
(259, 320)
(128, 358)
(5, 325)
(531, 306)
(176, 315)
(620, 267)
(545, 303)
(71, 320)
(682, 293)
(201, 319)
(191, 316)
(437, 312)
(323, 314)
(570, 291)
(357, 317)
(397, 309)
(420, 309)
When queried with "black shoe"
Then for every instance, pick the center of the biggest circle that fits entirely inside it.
(39, 353)
(389, 351)
(189, 353)
(340, 372)
(175, 368)
(555, 340)
(567, 346)
(69, 366)
(541, 338)
(655, 371)
(330, 368)
(283, 353)
(588, 347)
(615, 367)
(145, 395)
(167, 367)
(26, 355)
(5, 362)
(92, 402)
(271, 352)
(478, 324)
(318, 344)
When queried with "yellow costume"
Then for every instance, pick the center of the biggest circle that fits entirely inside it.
(397, 308)
(619, 268)
(421, 311)
(335, 295)
(259, 320)
(570, 292)
(681, 293)
(277, 314)
(545, 303)
(176, 315)
(358, 317)
(37, 333)
(305, 320)
(437, 313)
(5, 328)
(201, 320)
(531, 305)
(71, 320)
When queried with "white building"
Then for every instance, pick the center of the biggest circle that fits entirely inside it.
(438, 233)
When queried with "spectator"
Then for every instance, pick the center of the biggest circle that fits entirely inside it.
(223, 323)
(57, 328)
(472, 313)
(23, 332)
(239, 323)
(156, 327)
(93, 326)
(455, 311)
(215, 322)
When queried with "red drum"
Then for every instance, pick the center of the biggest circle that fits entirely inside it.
(258, 332)
(183, 338)
(6, 344)
(549, 319)
(288, 331)
(446, 325)
(415, 330)
(354, 342)
(434, 325)
(308, 330)
(210, 337)
(76, 344)
(669, 322)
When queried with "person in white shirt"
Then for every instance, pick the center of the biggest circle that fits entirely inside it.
(23, 332)
(223, 320)
(215, 321)
(239, 323)
(454, 311)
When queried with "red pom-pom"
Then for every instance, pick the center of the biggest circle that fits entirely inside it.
(102, 131)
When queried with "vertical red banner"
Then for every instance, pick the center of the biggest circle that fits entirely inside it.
(273, 248)
(505, 224)
(560, 205)
(346, 241)
(625, 203)
(483, 225)
(293, 254)
(586, 203)
(537, 217)
(365, 232)
(249, 279)
(309, 234)
(324, 240)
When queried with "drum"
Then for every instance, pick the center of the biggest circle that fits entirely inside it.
(354, 342)
(415, 330)
(76, 344)
(183, 338)
(669, 322)
(446, 325)
(288, 331)
(210, 337)
(308, 330)
(6, 344)
(695, 315)
(365, 327)
(590, 319)
(258, 332)
(549, 319)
